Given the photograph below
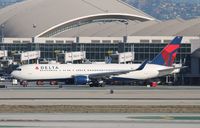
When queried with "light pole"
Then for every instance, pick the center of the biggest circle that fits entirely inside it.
(78, 28)
(126, 37)
(33, 40)
(72, 59)
(2, 33)
(2, 40)
(34, 27)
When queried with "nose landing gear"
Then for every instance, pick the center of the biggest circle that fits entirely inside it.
(24, 83)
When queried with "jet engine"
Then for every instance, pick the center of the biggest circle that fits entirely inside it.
(81, 80)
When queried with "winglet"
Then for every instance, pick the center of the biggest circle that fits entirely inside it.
(142, 66)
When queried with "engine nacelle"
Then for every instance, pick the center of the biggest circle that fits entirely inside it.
(81, 80)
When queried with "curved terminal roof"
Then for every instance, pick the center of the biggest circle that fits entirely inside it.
(149, 28)
(108, 29)
(50, 17)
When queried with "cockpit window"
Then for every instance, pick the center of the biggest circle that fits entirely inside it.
(18, 69)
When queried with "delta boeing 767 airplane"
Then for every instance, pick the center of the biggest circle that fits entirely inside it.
(94, 74)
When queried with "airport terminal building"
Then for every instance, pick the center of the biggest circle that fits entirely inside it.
(99, 29)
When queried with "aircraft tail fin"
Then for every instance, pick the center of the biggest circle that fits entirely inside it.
(167, 56)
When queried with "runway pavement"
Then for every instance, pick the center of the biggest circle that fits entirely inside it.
(97, 120)
(101, 102)
(100, 96)
(161, 99)
(101, 93)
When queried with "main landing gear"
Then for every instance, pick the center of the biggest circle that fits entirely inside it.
(53, 82)
(39, 83)
(97, 83)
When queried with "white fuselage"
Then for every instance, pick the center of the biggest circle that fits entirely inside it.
(64, 71)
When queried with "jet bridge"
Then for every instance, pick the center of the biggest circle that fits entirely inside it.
(126, 57)
(71, 57)
(26, 56)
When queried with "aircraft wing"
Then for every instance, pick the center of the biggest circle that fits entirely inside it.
(108, 74)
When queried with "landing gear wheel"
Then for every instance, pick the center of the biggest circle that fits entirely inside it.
(97, 84)
(24, 83)
(91, 85)
(40, 83)
(53, 83)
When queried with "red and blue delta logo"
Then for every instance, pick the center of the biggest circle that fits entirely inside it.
(169, 54)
